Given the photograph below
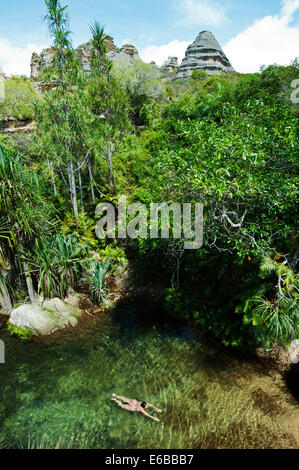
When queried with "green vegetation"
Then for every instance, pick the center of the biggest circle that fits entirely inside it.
(56, 263)
(97, 280)
(19, 99)
(228, 142)
(23, 333)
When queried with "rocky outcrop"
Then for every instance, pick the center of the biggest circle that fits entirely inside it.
(171, 64)
(127, 55)
(84, 52)
(204, 54)
(110, 44)
(130, 50)
(42, 61)
(294, 352)
(12, 126)
(44, 318)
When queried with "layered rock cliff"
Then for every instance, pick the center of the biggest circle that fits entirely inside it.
(128, 53)
(205, 54)
(170, 64)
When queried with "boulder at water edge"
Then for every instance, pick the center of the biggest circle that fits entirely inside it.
(294, 352)
(45, 318)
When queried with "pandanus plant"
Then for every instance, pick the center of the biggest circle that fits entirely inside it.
(25, 215)
(57, 263)
(97, 280)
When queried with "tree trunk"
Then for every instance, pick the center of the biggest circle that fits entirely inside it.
(29, 282)
(5, 300)
(80, 187)
(53, 178)
(66, 190)
(111, 179)
(91, 180)
(72, 182)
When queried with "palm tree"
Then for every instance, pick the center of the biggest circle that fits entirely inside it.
(57, 22)
(99, 39)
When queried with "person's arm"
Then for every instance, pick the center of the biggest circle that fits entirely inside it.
(149, 416)
(154, 408)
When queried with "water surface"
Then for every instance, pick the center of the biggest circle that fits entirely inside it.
(56, 393)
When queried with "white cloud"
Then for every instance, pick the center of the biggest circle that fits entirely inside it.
(269, 40)
(199, 12)
(289, 7)
(16, 60)
(160, 53)
(272, 39)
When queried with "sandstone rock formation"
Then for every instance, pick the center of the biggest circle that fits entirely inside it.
(170, 64)
(204, 54)
(128, 55)
(130, 50)
(40, 62)
(84, 51)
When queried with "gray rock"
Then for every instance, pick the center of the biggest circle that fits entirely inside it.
(45, 318)
(130, 50)
(204, 54)
(84, 52)
(42, 61)
(121, 58)
(294, 352)
(171, 64)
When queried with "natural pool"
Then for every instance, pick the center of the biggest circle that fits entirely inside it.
(56, 393)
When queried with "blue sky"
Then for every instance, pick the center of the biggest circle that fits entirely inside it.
(159, 28)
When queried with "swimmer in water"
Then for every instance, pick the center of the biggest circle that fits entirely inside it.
(135, 406)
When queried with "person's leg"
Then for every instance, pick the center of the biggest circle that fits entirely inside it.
(124, 399)
(124, 407)
(117, 401)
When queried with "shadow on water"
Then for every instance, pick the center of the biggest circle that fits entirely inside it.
(292, 381)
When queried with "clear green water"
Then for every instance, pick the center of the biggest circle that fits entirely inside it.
(57, 393)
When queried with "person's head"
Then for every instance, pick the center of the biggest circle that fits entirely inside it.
(143, 404)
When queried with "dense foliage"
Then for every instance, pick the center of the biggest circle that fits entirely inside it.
(19, 99)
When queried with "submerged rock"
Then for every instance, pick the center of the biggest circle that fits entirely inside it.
(45, 318)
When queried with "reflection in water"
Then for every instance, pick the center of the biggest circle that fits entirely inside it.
(57, 393)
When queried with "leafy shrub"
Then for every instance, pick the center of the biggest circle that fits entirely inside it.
(83, 228)
(19, 99)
